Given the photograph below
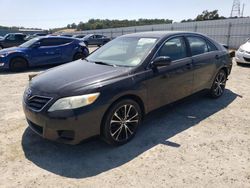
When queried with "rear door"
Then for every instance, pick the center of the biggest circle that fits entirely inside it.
(204, 56)
(49, 52)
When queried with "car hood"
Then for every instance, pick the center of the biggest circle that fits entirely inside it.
(10, 50)
(75, 78)
(246, 46)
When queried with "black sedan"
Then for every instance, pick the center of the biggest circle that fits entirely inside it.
(110, 92)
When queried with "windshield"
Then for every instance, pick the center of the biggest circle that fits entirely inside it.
(29, 43)
(124, 51)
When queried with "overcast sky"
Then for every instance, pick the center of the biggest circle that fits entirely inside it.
(58, 13)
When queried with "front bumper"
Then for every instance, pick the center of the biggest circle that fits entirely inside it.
(3, 63)
(66, 127)
(242, 57)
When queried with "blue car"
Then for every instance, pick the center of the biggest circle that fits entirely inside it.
(42, 51)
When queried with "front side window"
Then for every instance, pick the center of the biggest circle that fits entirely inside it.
(174, 48)
(124, 51)
(197, 45)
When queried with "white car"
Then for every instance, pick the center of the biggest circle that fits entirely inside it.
(243, 53)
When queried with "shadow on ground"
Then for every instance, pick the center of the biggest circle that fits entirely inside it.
(95, 156)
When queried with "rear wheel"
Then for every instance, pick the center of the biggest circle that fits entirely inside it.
(18, 64)
(121, 122)
(219, 84)
(1, 47)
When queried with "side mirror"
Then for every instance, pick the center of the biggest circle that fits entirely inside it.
(36, 45)
(161, 61)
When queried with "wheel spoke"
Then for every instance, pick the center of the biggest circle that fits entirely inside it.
(119, 133)
(115, 121)
(132, 121)
(127, 115)
(112, 134)
(133, 117)
(125, 112)
(129, 130)
(116, 115)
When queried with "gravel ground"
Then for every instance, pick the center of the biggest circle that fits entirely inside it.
(197, 142)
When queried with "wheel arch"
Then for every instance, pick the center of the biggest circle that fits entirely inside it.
(18, 56)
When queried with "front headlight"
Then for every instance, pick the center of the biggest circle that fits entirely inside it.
(3, 55)
(74, 102)
(241, 50)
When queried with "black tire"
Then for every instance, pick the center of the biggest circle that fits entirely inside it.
(1, 47)
(119, 128)
(77, 56)
(219, 84)
(86, 43)
(18, 64)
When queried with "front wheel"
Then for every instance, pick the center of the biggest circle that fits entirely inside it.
(121, 122)
(18, 64)
(219, 84)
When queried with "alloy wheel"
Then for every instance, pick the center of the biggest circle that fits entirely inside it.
(220, 83)
(124, 122)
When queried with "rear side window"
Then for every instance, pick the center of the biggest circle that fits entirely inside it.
(197, 45)
(174, 48)
(211, 47)
(54, 41)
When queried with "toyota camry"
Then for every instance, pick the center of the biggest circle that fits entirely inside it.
(109, 92)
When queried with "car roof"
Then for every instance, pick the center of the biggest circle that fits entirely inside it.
(57, 37)
(159, 34)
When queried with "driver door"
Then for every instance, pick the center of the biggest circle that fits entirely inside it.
(172, 82)
(49, 52)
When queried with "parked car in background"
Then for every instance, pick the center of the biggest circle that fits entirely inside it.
(98, 40)
(243, 53)
(12, 39)
(79, 36)
(42, 51)
(66, 35)
(110, 92)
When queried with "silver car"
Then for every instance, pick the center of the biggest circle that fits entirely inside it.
(243, 53)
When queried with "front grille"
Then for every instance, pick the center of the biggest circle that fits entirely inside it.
(37, 103)
(247, 59)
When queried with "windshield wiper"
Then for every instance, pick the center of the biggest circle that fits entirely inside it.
(103, 63)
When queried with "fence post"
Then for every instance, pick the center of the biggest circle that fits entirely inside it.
(111, 34)
(195, 28)
(135, 30)
(152, 28)
(122, 31)
(229, 33)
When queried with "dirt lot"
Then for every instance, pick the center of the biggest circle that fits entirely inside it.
(197, 142)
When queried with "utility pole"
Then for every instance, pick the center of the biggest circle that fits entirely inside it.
(242, 10)
(235, 12)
